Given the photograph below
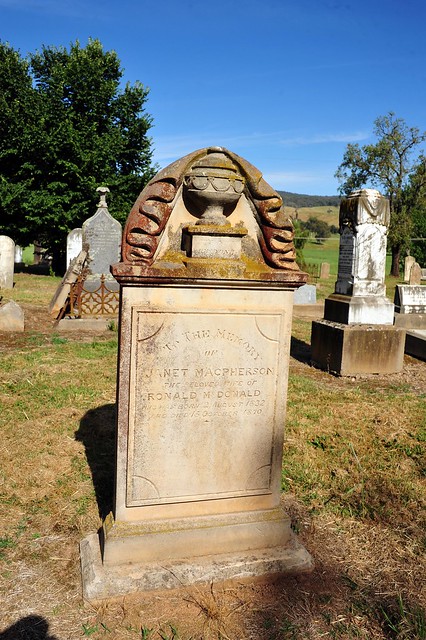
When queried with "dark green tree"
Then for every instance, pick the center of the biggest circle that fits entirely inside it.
(83, 130)
(319, 228)
(18, 122)
(415, 202)
(387, 165)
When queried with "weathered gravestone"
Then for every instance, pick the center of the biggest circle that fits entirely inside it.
(325, 271)
(7, 262)
(415, 274)
(410, 306)
(18, 254)
(207, 278)
(357, 335)
(101, 239)
(408, 263)
(74, 244)
(307, 294)
(11, 317)
(60, 298)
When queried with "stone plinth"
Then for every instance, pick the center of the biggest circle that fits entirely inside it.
(358, 349)
(410, 306)
(204, 353)
(358, 309)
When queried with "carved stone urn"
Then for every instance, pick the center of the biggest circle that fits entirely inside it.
(213, 186)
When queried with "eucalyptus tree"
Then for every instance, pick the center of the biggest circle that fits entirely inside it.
(388, 165)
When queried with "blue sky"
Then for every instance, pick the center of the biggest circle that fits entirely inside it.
(287, 84)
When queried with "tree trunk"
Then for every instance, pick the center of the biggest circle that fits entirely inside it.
(396, 253)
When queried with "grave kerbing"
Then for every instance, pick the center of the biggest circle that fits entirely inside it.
(207, 278)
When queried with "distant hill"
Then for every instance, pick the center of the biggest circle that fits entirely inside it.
(299, 200)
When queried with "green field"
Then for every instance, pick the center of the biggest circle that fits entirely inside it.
(328, 251)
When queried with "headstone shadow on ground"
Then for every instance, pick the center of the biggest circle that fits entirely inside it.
(97, 433)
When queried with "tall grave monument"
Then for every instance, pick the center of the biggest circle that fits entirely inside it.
(357, 334)
(207, 279)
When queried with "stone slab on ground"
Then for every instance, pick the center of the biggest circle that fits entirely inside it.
(11, 317)
(310, 311)
(349, 350)
(415, 343)
(86, 324)
(100, 582)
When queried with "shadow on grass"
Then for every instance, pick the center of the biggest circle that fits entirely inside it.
(29, 628)
(300, 350)
(97, 433)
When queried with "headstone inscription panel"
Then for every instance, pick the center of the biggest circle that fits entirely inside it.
(204, 352)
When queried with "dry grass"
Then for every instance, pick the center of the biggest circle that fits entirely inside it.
(353, 479)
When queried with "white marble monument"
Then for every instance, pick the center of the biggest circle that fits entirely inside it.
(7, 262)
(74, 244)
(357, 334)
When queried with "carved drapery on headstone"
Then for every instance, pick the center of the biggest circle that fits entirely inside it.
(204, 170)
(363, 219)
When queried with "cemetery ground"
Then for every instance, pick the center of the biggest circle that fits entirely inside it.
(353, 482)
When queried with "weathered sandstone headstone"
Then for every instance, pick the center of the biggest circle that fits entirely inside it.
(101, 238)
(7, 262)
(74, 244)
(415, 274)
(325, 271)
(207, 278)
(408, 263)
(357, 334)
(11, 317)
(63, 289)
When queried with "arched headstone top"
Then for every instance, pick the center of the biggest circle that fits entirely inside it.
(211, 186)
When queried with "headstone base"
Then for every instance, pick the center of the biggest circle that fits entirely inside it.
(348, 350)
(101, 582)
(410, 320)
(376, 310)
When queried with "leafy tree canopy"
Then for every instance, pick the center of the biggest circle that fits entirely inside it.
(66, 127)
(388, 165)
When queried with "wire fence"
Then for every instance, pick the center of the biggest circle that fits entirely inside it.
(326, 250)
